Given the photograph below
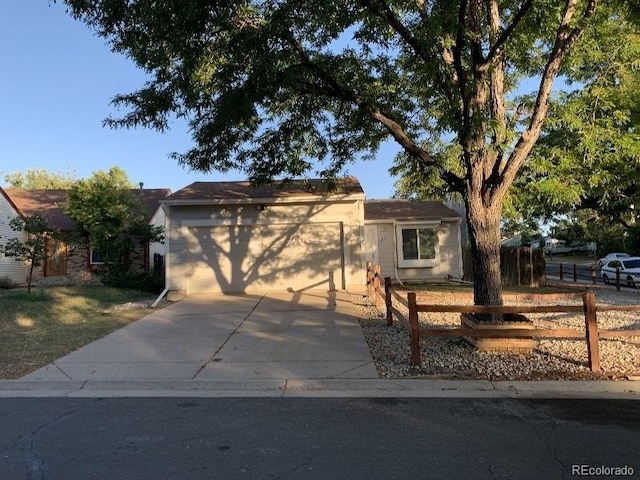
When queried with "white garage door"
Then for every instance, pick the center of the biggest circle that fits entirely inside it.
(248, 258)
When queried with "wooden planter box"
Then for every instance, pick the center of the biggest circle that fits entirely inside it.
(521, 345)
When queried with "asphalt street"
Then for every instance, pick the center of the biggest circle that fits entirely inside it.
(316, 438)
(583, 271)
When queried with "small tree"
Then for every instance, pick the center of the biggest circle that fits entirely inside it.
(39, 178)
(31, 250)
(109, 214)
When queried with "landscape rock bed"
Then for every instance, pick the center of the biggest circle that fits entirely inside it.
(552, 359)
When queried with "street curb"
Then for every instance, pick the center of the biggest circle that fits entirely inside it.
(326, 388)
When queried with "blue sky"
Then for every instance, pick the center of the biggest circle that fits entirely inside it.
(56, 81)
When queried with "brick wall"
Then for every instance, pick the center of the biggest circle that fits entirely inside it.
(79, 270)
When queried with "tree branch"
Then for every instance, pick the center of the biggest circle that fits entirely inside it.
(498, 111)
(506, 33)
(457, 64)
(566, 37)
(334, 88)
(422, 9)
(384, 11)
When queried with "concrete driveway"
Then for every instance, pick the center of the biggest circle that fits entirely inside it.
(229, 337)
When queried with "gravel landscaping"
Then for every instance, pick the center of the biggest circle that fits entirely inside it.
(552, 359)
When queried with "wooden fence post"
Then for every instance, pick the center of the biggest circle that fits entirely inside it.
(618, 278)
(369, 279)
(376, 285)
(591, 326)
(575, 273)
(387, 300)
(561, 272)
(414, 330)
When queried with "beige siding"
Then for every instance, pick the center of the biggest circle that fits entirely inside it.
(16, 271)
(449, 258)
(386, 249)
(158, 220)
(250, 245)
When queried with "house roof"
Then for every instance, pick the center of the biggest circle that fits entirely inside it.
(47, 203)
(151, 198)
(399, 209)
(238, 191)
(50, 204)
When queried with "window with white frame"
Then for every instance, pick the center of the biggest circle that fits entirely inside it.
(417, 245)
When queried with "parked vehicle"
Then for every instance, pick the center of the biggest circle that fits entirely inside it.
(612, 256)
(629, 268)
(553, 246)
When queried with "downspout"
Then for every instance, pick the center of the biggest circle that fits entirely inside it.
(395, 253)
(157, 300)
(166, 258)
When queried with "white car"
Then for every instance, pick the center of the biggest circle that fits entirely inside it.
(612, 256)
(629, 268)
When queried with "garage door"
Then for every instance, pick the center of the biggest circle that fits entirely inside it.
(248, 258)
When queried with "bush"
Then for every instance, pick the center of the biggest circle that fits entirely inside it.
(7, 284)
(143, 281)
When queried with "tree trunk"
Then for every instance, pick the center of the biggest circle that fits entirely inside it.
(30, 278)
(484, 238)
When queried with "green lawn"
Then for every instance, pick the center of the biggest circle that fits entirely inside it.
(38, 327)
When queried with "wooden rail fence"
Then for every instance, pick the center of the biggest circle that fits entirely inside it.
(589, 308)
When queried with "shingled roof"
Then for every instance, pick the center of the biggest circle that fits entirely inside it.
(398, 209)
(220, 191)
(50, 204)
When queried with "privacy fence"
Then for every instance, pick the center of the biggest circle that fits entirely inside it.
(518, 266)
(381, 290)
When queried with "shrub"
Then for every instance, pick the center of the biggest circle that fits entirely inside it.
(143, 281)
(7, 284)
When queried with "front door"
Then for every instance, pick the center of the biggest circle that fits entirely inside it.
(371, 243)
(56, 261)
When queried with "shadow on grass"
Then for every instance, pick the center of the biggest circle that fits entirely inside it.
(39, 327)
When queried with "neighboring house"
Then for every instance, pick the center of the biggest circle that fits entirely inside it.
(9, 268)
(413, 240)
(65, 260)
(515, 241)
(297, 236)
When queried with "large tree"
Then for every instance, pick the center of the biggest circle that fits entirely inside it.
(272, 86)
(586, 164)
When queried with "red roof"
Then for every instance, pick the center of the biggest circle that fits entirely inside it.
(50, 204)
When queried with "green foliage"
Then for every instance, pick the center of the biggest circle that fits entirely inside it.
(269, 87)
(105, 209)
(144, 281)
(589, 156)
(421, 183)
(608, 234)
(7, 284)
(31, 250)
(40, 178)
